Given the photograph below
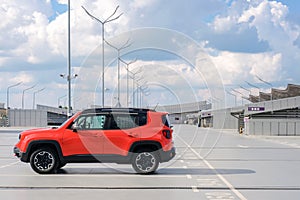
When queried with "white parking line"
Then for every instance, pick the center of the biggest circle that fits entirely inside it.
(194, 188)
(235, 191)
(8, 165)
(242, 146)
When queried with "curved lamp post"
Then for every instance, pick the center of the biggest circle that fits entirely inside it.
(125, 45)
(127, 76)
(107, 20)
(24, 93)
(7, 93)
(33, 99)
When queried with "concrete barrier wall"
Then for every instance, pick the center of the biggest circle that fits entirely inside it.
(222, 119)
(29, 118)
(273, 127)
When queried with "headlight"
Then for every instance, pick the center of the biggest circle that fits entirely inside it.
(20, 136)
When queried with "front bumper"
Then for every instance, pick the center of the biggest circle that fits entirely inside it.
(23, 156)
(165, 156)
(17, 152)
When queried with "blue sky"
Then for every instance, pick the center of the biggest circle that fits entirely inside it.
(242, 38)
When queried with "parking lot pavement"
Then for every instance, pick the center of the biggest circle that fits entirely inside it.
(210, 164)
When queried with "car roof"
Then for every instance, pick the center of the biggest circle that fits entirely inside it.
(119, 110)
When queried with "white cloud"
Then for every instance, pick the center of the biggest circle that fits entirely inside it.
(269, 19)
(223, 24)
(236, 68)
(23, 77)
(30, 42)
(138, 4)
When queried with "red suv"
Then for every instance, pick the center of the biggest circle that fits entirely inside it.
(140, 137)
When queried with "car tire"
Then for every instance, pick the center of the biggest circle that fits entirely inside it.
(44, 161)
(145, 162)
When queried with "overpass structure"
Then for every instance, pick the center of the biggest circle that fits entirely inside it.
(276, 117)
(291, 90)
(184, 112)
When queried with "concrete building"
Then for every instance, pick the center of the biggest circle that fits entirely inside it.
(291, 90)
(41, 117)
(277, 117)
(186, 112)
(3, 115)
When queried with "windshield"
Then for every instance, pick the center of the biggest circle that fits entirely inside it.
(68, 120)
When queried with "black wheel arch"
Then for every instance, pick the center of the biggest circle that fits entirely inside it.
(34, 145)
(149, 144)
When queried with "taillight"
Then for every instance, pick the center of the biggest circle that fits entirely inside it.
(167, 134)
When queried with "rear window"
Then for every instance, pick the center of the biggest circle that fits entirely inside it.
(166, 121)
(127, 120)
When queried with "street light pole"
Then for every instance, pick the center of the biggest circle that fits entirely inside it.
(107, 20)
(24, 93)
(127, 84)
(125, 45)
(267, 84)
(234, 97)
(33, 101)
(7, 93)
(240, 94)
(59, 98)
(245, 89)
(135, 79)
(69, 79)
(69, 112)
(251, 85)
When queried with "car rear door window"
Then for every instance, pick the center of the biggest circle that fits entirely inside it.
(124, 121)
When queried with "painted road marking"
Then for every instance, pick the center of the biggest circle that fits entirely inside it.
(219, 195)
(195, 189)
(8, 165)
(235, 191)
(209, 182)
(242, 146)
(188, 176)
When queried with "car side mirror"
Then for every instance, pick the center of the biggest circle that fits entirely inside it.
(75, 128)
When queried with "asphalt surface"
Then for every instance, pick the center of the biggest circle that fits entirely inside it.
(210, 164)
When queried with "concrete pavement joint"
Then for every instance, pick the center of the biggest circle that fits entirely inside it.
(146, 188)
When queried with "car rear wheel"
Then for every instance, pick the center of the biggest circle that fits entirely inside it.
(145, 162)
(44, 161)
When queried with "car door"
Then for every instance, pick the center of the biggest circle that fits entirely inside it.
(121, 132)
(86, 136)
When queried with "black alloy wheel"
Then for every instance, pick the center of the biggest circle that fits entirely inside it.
(44, 161)
(145, 162)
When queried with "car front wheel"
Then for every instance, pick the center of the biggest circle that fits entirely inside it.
(145, 162)
(44, 161)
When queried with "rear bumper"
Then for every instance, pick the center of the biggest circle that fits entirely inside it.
(165, 156)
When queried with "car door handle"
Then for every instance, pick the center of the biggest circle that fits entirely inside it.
(133, 135)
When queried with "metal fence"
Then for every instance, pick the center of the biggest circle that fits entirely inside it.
(273, 127)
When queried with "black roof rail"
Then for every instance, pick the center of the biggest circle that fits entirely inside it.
(125, 110)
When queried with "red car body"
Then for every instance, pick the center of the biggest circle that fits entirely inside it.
(122, 133)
